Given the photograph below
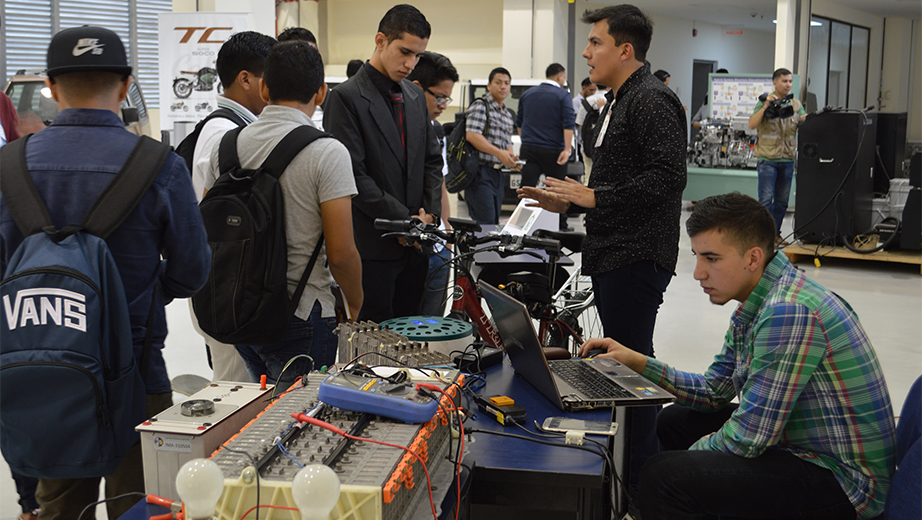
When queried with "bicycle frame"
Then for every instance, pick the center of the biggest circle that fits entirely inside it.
(466, 305)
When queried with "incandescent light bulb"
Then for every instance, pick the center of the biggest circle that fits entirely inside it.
(315, 490)
(199, 484)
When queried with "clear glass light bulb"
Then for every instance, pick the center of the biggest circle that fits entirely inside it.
(315, 490)
(199, 484)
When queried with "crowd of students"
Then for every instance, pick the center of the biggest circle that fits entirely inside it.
(798, 422)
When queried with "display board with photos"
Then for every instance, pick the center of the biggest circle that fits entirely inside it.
(733, 95)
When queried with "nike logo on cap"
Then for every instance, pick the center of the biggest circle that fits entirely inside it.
(85, 45)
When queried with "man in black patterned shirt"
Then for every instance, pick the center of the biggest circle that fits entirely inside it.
(634, 196)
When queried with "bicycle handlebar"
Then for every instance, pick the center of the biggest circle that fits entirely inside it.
(508, 244)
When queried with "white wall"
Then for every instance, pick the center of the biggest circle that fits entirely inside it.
(914, 132)
(828, 9)
(674, 49)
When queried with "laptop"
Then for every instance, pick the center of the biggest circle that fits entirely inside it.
(571, 384)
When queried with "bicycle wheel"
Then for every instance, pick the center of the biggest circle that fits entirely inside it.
(575, 303)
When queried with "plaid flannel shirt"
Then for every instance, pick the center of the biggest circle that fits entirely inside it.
(808, 382)
(500, 132)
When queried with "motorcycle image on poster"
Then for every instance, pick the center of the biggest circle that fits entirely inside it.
(189, 45)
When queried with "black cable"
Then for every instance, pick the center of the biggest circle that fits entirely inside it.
(864, 129)
(119, 497)
(608, 458)
(385, 356)
(255, 468)
(879, 247)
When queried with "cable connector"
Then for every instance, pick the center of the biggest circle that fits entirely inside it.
(574, 437)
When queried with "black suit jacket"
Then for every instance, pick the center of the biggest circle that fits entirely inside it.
(389, 187)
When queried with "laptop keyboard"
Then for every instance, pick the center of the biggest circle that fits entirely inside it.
(588, 381)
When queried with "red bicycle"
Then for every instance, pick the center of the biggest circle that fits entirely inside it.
(557, 312)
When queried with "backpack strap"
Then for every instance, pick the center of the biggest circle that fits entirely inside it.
(225, 113)
(124, 193)
(19, 192)
(289, 147)
(589, 108)
(302, 283)
(486, 110)
(275, 165)
(227, 151)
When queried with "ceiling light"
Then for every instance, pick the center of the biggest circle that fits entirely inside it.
(813, 23)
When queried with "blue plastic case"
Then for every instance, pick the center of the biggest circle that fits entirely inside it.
(378, 396)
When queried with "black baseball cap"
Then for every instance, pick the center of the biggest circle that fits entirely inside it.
(86, 49)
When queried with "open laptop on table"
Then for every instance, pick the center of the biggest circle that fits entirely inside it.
(572, 384)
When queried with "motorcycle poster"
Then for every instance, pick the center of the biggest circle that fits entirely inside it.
(189, 45)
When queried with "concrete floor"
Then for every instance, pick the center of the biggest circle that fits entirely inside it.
(689, 331)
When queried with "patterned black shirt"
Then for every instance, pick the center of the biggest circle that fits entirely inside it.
(638, 174)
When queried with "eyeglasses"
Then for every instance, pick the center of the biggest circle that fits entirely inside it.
(439, 100)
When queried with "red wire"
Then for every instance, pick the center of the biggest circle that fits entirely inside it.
(461, 425)
(269, 506)
(327, 426)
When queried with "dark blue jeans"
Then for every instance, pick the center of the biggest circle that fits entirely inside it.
(775, 188)
(25, 488)
(628, 300)
(679, 484)
(436, 292)
(313, 337)
(484, 196)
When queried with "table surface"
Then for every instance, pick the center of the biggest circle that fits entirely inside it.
(495, 452)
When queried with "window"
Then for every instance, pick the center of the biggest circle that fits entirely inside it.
(838, 64)
(29, 24)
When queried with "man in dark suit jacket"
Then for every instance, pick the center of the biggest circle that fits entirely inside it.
(383, 120)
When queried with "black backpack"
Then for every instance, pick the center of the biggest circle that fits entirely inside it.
(71, 388)
(245, 300)
(590, 127)
(186, 148)
(463, 159)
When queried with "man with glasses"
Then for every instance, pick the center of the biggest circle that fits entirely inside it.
(435, 74)
(489, 130)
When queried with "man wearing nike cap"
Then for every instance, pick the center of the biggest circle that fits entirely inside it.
(71, 162)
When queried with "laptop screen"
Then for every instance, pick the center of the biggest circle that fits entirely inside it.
(520, 341)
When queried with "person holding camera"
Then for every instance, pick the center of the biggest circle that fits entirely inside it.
(777, 144)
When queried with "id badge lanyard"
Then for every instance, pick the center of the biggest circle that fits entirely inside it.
(602, 131)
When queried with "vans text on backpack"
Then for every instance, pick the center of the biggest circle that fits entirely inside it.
(245, 300)
(462, 158)
(70, 388)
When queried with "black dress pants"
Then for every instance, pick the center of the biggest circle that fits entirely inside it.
(540, 160)
(679, 484)
(393, 288)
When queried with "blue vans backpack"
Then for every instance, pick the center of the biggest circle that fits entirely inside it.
(71, 390)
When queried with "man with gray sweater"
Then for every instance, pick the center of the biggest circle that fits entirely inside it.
(317, 187)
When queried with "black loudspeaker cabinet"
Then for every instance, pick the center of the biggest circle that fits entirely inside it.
(891, 145)
(835, 169)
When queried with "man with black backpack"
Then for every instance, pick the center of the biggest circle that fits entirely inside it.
(240, 64)
(314, 174)
(489, 130)
(76, 364)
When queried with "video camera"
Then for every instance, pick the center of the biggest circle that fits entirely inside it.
(780, 108)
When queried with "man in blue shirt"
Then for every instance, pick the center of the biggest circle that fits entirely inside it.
(547, 121)
(161, 249)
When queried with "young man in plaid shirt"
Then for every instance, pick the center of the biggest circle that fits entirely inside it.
(813, 433)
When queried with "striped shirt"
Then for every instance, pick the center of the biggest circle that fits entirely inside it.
(808, 382)
(499, 134)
